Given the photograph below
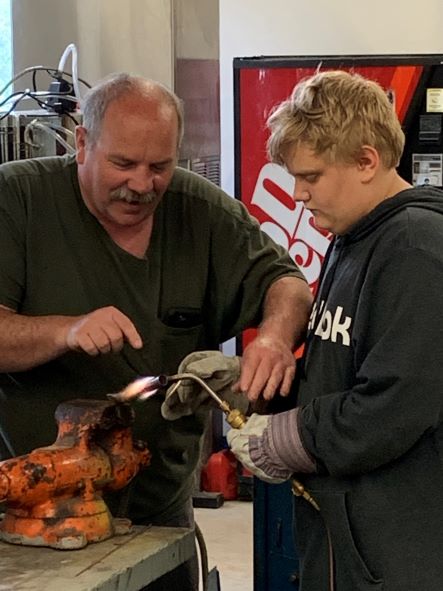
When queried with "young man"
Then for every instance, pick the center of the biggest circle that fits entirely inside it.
(366, 436)
(116, 264)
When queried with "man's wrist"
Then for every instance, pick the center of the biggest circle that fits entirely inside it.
(286, 444)
(277, 333)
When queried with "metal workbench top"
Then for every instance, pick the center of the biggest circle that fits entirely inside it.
(122, 563)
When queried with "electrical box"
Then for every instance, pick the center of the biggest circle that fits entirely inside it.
(31, 134)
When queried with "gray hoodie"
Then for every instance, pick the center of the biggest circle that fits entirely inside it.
(371, 397)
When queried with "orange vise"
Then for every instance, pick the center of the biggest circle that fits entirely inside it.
(53, 495)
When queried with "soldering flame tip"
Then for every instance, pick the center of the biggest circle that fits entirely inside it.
(139, 389)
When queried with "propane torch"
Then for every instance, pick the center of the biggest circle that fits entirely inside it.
(144, 388)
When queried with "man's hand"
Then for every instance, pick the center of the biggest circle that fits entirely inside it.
(268, 367)
(217, 370)
(30, 341)
(102, 331)
(249, 445)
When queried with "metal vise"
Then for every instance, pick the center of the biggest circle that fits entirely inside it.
(53, 495)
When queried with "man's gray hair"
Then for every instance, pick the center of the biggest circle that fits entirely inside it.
(115, 86)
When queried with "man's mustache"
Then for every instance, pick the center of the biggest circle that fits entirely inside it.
(125, 194)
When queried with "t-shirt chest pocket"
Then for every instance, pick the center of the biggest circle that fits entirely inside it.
(169, 342)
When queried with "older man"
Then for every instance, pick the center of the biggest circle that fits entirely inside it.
(116, 264)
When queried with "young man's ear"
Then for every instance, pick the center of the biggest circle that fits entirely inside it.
(80, 143)
(368, 162)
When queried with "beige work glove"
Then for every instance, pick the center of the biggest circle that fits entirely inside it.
(218, 371)
(263, 460)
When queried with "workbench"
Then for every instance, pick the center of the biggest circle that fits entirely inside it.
(122, 563)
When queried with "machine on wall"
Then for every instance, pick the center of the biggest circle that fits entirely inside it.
(414, 83)
(49, 130)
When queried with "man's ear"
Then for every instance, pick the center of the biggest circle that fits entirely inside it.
(80, 143)
(368, 163)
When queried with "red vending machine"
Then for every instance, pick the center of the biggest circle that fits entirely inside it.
(415, 86)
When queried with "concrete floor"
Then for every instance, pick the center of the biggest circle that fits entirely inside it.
(228, 536)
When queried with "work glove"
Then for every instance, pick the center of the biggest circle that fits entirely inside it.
(270, 446)
(218, 371)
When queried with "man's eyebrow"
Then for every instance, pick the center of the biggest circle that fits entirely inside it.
(116, 156)
(307, 172)
(167, 161)
(122, 158)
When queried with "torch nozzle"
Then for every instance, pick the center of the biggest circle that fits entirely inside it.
(178, 377)
(145, 387)
(234, 417)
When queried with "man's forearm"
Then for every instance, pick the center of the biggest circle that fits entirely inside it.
(29, 341)
(286, 310)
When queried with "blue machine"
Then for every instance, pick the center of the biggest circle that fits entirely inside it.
(276, 567)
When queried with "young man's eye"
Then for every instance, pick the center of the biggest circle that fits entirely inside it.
(311, 178)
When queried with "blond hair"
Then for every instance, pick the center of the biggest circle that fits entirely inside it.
(336, 113)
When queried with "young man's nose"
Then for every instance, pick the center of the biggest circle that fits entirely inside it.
(300, 192)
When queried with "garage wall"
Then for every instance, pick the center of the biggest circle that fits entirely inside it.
(110, 35)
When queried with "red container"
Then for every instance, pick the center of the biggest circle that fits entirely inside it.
(220, 475)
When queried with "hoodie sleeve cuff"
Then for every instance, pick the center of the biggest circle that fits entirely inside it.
(286, 443)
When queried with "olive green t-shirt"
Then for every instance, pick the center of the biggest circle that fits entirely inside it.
(202, 281)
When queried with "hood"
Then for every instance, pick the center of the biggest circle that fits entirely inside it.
(422, 197)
